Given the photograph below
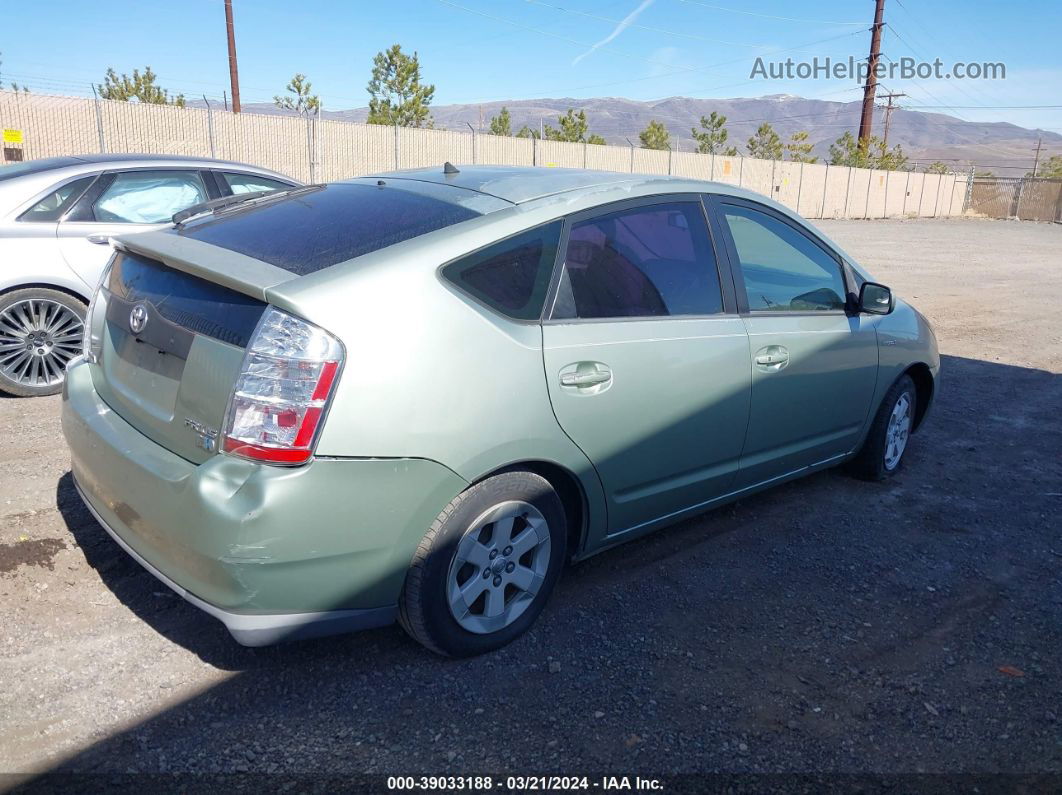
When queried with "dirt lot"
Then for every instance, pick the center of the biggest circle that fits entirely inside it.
(829, 625)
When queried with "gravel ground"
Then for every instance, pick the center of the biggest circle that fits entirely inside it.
(828, 625)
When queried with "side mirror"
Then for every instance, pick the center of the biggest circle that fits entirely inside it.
(875, 299)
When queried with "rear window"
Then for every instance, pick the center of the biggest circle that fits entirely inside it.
(311, 231)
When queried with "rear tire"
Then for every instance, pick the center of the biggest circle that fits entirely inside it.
(486, 566)
(40, 331)
(883, 450)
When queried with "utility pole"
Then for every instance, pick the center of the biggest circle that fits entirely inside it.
(1036, 160)
(866, 120)
(234, 75)
(888, 115)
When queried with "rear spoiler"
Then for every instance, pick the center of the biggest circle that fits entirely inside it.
(236, 271)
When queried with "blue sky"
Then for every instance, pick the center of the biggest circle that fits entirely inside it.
(481, 50)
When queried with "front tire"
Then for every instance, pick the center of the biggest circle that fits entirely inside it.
(882, 453)
(486, 566)
(40, 331)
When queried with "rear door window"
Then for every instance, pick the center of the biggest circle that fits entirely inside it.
(149, 197)
(511, 277)
(650, 261)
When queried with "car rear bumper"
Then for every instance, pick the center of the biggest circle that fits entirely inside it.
(274, 553)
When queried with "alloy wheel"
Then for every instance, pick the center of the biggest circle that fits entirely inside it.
(499, 567)
(898, 431)
(38, 337)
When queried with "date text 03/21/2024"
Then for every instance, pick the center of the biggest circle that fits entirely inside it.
(524, 783)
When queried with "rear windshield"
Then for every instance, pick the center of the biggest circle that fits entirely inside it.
(184, 300)
(308, 232)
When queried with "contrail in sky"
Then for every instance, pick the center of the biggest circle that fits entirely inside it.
(622, 26)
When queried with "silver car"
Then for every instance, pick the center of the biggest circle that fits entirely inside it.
(56, 219)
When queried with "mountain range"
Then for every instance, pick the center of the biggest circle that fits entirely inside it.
(999, 147)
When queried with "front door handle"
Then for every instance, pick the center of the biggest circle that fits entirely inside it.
(99, 240)
(772, 358)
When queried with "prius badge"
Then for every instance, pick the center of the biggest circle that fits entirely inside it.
(206, 438)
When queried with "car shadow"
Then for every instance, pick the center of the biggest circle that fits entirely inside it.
(803, 618)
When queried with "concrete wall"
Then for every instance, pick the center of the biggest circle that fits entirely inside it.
(321, 151)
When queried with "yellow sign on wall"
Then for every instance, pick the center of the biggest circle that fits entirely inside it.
(12, 136)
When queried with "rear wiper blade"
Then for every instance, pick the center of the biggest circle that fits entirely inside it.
(217, 206)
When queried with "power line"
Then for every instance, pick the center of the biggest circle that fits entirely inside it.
(768, 16)
(992, 107)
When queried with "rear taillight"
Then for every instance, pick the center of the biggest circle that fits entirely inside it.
(288, 375)
(92, 332)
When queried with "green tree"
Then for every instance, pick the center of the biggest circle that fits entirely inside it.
(527, 132)
(140, 87)
(574, 128)
(888, 159)
(502, 124)
(936, 167)
(799, 148)
(301, 100)
(655, 136)
(711, 138)
(396, 94)
(765, 143)
(846, 151)
(1050, 168)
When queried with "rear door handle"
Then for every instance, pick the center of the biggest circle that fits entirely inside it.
(585, 379)
(99, 240)
(772, 358)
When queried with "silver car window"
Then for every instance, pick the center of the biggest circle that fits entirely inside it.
(251, 183)
(149, 197)
(50, 207)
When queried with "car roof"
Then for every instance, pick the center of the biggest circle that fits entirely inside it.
(86, 163)
(519, 184)
(136, 158)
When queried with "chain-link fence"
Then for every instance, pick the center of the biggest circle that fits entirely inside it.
(314, 150)
(1025, 198)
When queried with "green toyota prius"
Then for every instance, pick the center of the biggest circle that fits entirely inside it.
(418, 395)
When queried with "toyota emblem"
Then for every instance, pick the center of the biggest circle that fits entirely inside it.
(138, 318)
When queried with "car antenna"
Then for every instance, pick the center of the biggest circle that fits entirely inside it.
(450, 168)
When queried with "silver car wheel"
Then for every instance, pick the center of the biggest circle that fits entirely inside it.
(499, 567)
(898, 431)
(38, 337)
